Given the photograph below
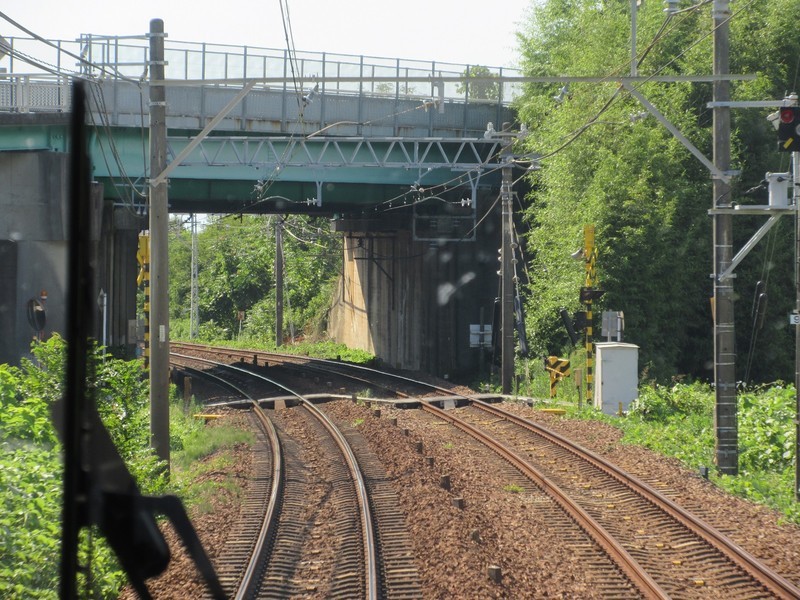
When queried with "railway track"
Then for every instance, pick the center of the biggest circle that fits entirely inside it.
(371, 378)
(664, 550)
(636, 542)
(318, 497)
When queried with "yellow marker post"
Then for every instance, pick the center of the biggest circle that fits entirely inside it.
(590, 256)
(558, 368)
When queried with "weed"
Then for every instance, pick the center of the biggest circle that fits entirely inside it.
(513, 488)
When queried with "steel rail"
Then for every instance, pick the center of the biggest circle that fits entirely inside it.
(368, 534)
(249, 581)
(627, 564)
(774, 583)
(320, 365)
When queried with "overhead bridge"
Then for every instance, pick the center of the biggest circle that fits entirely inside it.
(341, 135)
(403, 156)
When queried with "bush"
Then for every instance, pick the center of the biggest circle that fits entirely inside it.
(678, 421)
(658, 403)
(766, 429)
(31, 470)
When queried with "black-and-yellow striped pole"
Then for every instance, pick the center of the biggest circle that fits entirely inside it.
(143, 258)
(590, 256)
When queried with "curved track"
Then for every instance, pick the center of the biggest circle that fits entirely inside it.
(284, 532)
(662, 549)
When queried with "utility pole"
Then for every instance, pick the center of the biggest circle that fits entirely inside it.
(194, 309)
(507, 282)
(279, 283)
(159, 225)
(634, 61)
(725, 413)
(796, 198)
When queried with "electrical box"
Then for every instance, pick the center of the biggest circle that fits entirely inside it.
(778, 186)
(616, 376)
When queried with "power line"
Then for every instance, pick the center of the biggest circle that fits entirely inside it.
(81, 59)
(576, 133)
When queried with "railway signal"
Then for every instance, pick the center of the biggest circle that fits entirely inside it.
(789, 129)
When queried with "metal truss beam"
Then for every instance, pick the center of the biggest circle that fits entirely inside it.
(334, 153)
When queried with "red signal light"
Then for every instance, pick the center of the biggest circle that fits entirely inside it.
(787, 114)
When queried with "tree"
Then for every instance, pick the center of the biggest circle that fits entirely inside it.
(236, 273)
(646, 194)
(477, 84)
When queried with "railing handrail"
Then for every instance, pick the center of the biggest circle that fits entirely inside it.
(126, 56)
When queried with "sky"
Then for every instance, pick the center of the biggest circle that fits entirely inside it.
(453, 31)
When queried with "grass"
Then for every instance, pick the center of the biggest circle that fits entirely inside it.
(513, 488)
(201, 462)
(205, 442)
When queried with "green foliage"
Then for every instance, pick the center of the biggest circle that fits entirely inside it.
(330, 351)
(659, 403)
(482, 89)
(645, 193)
(236, 263)
(388, 88)
(678, 421)
(24, 417)
(687, 437)
(30, 515)
(769, 488)
(31, 470)
(203, 441)
(194, 446)
(767, 433)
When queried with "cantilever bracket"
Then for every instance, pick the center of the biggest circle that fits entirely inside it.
(715, 172)
(740, 256)
(162, 177)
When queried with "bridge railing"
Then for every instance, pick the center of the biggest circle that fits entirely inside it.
(33, 74)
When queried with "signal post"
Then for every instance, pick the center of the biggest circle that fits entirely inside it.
(589, 293)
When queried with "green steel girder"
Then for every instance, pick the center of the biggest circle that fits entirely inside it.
(304, 174)
(52, 138)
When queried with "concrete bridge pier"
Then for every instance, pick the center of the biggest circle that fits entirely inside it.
(117, 270)
(411, 303)
(33, 255)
